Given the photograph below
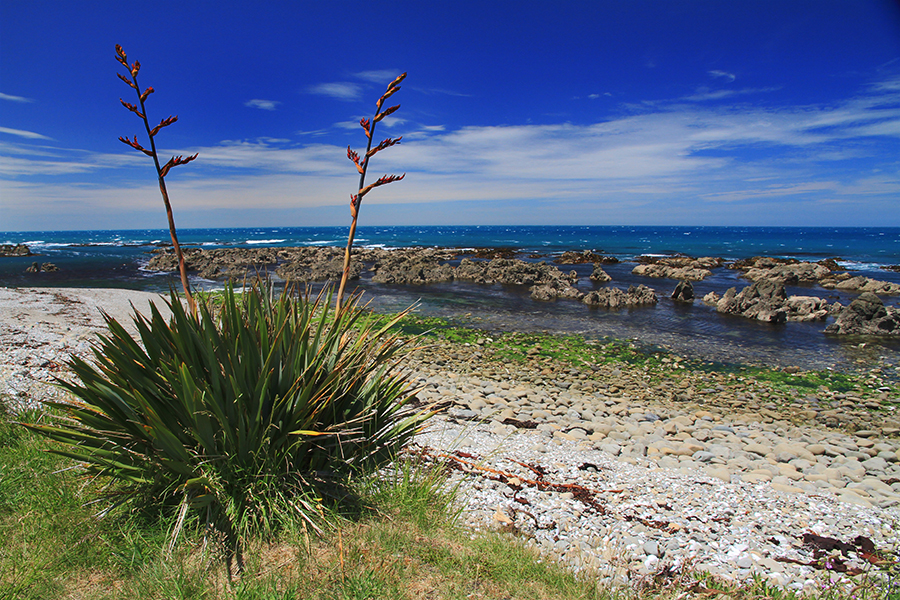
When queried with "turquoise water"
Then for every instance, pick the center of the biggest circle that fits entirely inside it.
(115, 259)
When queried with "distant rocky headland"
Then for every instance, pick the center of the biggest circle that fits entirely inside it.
(763, 299)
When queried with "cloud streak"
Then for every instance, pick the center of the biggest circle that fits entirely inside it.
(339, 90)
(24, 134)
(262, 104)
(14, 98)
(659, 163)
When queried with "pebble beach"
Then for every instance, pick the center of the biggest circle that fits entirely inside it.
(616, 470)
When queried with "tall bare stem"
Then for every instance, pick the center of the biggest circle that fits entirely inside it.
(161, 171)
(362, 166)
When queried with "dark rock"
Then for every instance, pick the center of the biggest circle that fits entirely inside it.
(684, 292)
(894, 268)
(15, 250)
(762, 300)
(687, 272)
(571, 257)
(325, 270)
(866, 315)
(677, 267)
(599, 275)
(511, 272)
(490, 253)
(807, 308)
(611, 297)
(559, 288)
(789, 274)
(45, 268)
(412, 269)
(861, 284)
(220, 263)
(760, 262)
(830, 263)
(681, 261)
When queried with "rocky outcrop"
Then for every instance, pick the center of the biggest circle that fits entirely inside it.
(762, 300)
(611, 297)
(662, 271)
(415, 270)
(677, 267)
(703, 262)
(789, 274)
(866, 315)
(572, 257)
(767, 301)
(684, 292)
(760, 262)
(559, 288)
(861, 284)
(511, 272)
(221, 263)
(599, 275)
(44, 268)
(15, 250)
(492, 253)
(808, 308)
(323, 270)
(825, 273)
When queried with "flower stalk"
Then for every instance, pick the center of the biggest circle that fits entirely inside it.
(362, 166)
(161, 171)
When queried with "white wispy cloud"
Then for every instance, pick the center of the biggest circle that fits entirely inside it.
(11, 98)
(657, 163)
(383, 76)
(722, 75)
(11, 166)
(25, 134)
(339, 90)
(262, 104)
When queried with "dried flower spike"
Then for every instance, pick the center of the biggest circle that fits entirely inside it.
(161, 171)
(362, 166)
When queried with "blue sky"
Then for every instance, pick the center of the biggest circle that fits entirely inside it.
(740, 112)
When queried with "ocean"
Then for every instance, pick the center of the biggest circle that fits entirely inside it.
(117, 259)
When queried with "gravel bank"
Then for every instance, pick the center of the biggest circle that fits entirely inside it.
(608, 469)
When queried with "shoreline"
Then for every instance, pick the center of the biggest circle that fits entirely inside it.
(570, 295)
(700, 451)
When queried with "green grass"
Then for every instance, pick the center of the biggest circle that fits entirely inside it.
(404, 544)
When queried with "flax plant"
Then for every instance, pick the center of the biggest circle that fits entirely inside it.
(249, 418)
(161, 171)
(362, 166)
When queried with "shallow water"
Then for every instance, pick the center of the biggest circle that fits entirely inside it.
(115, 259)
